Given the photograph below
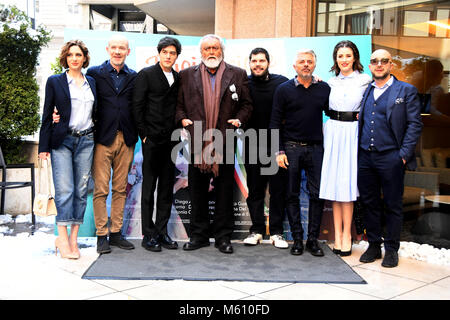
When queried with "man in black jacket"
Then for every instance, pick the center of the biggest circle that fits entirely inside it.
(297, 110)
(262, 85)
(154, 103)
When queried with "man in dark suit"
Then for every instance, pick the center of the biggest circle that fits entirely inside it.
(389, 128)
(115, 138)
(212, 95)
(154, 103)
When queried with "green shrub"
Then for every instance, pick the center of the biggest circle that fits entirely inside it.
(20, 46)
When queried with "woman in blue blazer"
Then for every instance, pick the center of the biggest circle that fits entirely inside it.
(69, 141)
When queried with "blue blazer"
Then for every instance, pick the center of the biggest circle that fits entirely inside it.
(403, 117)
(57, 95)
(113, 106)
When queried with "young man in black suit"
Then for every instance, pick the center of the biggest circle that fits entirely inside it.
(154, 101)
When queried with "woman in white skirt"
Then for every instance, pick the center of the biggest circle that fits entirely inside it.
(340, 161)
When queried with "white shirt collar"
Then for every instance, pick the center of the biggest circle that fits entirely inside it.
(351, 75)
(387, 84)
(70, 80)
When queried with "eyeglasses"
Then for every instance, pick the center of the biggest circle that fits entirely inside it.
(383, 61)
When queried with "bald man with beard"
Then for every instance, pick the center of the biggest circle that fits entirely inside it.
(389, 128)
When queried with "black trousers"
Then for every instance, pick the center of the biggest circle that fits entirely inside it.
(382, 173)
(157, 169)
(223, 219)
(308, 158)
(257, 184)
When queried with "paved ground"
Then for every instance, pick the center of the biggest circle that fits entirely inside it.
(30, 270)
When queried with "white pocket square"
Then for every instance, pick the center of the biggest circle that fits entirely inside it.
(234, 95)
(399, 100)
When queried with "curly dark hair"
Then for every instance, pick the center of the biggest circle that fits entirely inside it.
(65, 52)
(257, 51)
(346, 44)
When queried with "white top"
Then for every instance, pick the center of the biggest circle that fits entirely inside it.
(377, 92)
(82, 100)
(347, 91)
(169, 76)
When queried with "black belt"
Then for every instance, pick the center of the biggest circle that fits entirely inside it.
(303, 143)
(80, 133)
(343, 115)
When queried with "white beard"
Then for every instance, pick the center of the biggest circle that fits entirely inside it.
(212, 63)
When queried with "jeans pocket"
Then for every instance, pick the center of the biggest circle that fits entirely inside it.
(90, 136)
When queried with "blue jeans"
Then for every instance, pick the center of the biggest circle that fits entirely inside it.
(71, 164)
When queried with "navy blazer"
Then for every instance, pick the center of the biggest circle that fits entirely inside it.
(113, 105)
(57, 95)
(403, 117)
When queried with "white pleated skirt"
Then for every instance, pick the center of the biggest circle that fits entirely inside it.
(340, 161)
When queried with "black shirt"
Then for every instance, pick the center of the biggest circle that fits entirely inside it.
(262, 91)
(298, 111)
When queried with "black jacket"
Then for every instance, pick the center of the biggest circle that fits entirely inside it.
(57, 95)
(154, 104)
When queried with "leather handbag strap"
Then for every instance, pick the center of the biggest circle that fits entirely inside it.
(46, 172)
(40, 173)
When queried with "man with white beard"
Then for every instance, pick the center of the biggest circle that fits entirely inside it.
(215, 95)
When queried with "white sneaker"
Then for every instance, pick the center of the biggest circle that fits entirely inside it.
(278, 241)
(253, 239)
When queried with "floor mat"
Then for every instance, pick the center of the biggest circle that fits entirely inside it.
(262, 263)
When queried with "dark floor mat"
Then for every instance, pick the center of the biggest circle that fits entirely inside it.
(248, 263)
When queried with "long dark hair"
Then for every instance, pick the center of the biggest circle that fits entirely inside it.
(346, 44)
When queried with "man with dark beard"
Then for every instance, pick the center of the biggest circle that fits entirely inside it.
(389, 128)
(212, 96)
(262, 86)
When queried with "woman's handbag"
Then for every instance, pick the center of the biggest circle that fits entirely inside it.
(44, 203)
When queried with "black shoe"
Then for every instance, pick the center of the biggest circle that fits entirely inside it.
(372, 253)
(297, 247)
(167, 242)
(195, 244)
(336, 251)
(345, 253)
(151, 244)
(224, 246)
(116, 239)
(390, 259)
(313, 247)
(103, 244)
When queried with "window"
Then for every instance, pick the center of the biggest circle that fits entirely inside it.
(410, 18)
(415, 23)
(417, 34)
